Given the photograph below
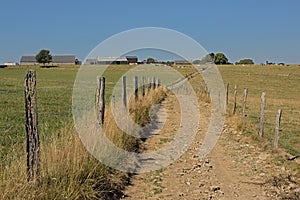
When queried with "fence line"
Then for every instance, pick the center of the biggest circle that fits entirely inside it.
(261, 115)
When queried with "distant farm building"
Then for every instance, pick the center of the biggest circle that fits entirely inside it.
(132, 59)
(28, 60)
(64, 59)
(10, 63)
(56, 59)
(112, 60)
(182, 62)
(91, 61)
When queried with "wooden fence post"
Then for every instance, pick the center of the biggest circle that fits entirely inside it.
(32, 136)
(277, 129)
(135, 88)
(244, 102)
(226, 93)
(158, 82)
(143, 86)
(124, 94)
(100, 102)
(262, 114)
(153, 83)
(149, 84)
(234, 100)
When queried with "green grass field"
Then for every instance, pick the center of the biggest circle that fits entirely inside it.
(54, 95)
(54, 104)
(281, 83)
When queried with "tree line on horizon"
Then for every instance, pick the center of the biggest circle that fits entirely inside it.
(221, 59)
(44, 56)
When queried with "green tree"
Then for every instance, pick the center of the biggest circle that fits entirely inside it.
(150, 60)
(220, 59)
(212, 56)
(246, 61)
(43, 57)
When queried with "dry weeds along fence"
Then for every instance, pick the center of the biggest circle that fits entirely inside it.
(100, 104)
(32, 135)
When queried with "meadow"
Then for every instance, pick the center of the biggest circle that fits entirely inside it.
(60, 142)
(54, 88)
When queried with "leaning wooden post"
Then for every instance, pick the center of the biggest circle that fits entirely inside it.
(244, 102)
(158, 82)
(226, 94)
(153, 83)
(234, 100)
(149, 84)
(100, 102)
(32, 136)
(124, 94)
(277, 129)
(143, 86)
(135, 88)
(262, 114)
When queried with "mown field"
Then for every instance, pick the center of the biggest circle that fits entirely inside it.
(281, 83)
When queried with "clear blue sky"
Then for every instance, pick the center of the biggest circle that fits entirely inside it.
(258, 29)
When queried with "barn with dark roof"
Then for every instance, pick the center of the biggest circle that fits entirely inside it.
(64, 59)
(132, 59)
(28, 60)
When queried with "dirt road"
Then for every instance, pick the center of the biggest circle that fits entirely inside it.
(223, 174)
